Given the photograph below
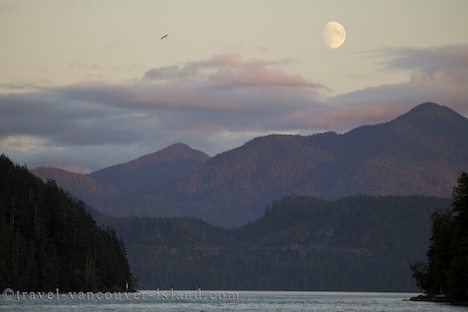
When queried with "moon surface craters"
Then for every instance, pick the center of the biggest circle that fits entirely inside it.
(334, 35)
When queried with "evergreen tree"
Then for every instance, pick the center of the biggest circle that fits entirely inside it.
(457, 284)
(302, 243)
(48, 240)
(446, 271)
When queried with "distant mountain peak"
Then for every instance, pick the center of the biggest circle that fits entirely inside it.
(172, 152)
(428, 105)
(178, 146)
(425, 122)
(182, 150)
(151, 171)
(430, 109)
(421, 152)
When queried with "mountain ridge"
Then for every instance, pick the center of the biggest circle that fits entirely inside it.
(49, 241)
(358, 243)
(152, 170)
(76, 183)
(179, 156)
(173, 151)
(420, 152)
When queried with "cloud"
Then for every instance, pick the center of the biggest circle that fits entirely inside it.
(94, 118)
(201, 85)
(258, 74)
(437, 74)
(24, 86)
(443, 58)
(169, 72)
(92, 66)
(191, 69)
(229, 70)
(213, 104)
(21, 143)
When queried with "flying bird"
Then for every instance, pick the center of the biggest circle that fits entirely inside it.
(163, 37)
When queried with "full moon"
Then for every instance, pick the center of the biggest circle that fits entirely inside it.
(334, 35)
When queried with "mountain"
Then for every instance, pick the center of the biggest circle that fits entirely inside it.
(151, 171)
(49, 241)
(80, 185)
(421, 152)
(359, 243)
(116, 188)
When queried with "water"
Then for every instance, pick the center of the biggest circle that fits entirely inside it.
(208, 301)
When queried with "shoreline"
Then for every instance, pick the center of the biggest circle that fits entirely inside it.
(438, 299)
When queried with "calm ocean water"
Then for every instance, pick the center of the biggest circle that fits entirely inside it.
(219, 301)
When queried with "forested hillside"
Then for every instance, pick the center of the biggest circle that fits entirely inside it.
(421, 152)
(49, 241)
(302, 243)
(446, 270)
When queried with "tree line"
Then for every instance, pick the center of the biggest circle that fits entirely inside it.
(48, 240)
(446, 271)
(360, 243)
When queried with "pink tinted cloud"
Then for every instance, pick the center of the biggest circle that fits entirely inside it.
(229, 70)
(438, 74)
(193, 69)
(232, 93)
(257, 74)
(228, 59)
(228, 101)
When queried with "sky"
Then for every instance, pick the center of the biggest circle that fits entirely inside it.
(87, 84)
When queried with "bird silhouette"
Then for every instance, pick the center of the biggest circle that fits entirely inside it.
(165, 36)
